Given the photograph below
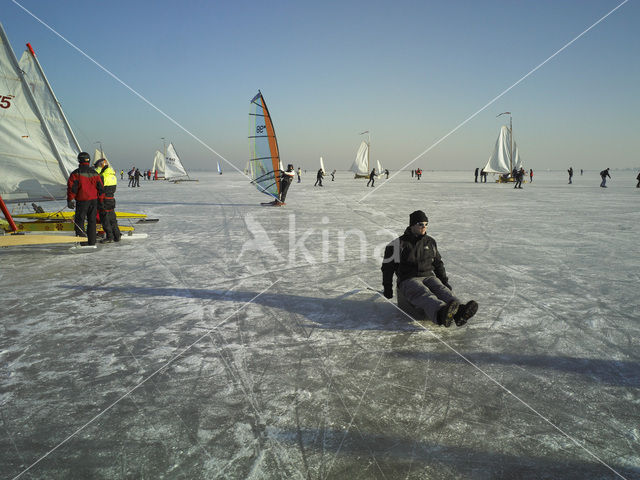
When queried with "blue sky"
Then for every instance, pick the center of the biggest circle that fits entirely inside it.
(408, 71)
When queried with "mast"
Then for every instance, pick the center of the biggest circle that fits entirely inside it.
(511, 144)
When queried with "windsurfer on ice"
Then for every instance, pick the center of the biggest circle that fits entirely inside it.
(287, 178)
(422, 278)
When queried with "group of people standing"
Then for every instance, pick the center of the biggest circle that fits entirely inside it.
(483, 175)
(90, 191)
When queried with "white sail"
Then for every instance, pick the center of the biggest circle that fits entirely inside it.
(62, 136)
(173, 165)
(219, 169)
(98, 154)
(31, 169)
(499, 161)
(322, 166)
(361, 163)
(158, 164)
(379, 172)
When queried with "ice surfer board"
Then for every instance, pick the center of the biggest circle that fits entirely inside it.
(134, 236)
(275, 203)
(83, 248)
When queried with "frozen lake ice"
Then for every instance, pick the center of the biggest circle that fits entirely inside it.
(240, 341)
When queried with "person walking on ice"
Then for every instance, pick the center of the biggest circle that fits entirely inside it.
(604, 174)
(421, 277)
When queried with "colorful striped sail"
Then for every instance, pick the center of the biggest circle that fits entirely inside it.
(264, 162)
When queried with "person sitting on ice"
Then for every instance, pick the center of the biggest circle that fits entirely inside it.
(422, 278)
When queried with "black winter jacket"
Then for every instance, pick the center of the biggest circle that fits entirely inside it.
(411, 256)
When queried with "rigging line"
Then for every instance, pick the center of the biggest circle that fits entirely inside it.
(131, 390)
(438, 338)
(131, 89)
(497, 97)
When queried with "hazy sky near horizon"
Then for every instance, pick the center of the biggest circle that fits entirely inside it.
(408, 71)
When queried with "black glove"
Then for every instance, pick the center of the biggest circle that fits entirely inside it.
(71, 204)
(446, 284)
(388, 292)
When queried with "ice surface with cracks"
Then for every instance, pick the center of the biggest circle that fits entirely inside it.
(240, 341)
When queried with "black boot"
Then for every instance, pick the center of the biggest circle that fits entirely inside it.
(446, 313)
(465, 312)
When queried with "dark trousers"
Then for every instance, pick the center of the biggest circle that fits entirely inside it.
(283, 191)
(108, 219)
(86, 210)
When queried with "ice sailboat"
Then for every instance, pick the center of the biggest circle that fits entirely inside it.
(36, 152)
(264, 167)
(168, 166)
(38, 149)
(505, 156)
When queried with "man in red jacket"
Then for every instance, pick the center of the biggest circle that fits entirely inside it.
(84, 192)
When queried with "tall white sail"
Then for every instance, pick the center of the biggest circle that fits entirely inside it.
(361, 164)
(159, 164)
(322, 166)
(30, 170)
(65, 144)
(173, 165)
(499, 161)
(379, 172)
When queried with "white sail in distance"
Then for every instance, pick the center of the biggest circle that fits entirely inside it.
(98, 154)
(173, 165)
(499, 159)
(322, 166)
(158, 164)
(360, 165)
(31, 168)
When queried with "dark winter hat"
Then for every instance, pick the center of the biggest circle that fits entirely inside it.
(98, 162)
(417, 217)
(84, 157)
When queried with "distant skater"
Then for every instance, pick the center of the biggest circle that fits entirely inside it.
(581, 171)
(476, 174)
(386, 172)
(372, 178)
(570, 172)
(419, 173)
(483, 175)
(530, 175)
(412, 173)
(319, 178)
(299, 172)
(638, 178)
(333, 175)
(518, 175)
(604, 174)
